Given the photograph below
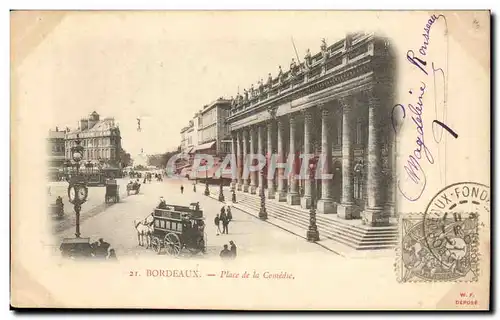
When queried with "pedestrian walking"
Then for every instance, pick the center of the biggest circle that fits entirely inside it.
(182, 189)
(233, 249)
(229, 214)
(225, 253)
(223, 219)
(217, 223)
(233, 197)
(225, 224)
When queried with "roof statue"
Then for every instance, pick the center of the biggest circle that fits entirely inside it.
(293, 66)
(307, 60)
(324, 49)
(269, 80)
(280, 74)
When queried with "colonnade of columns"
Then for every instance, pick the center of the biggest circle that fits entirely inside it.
(251, 140)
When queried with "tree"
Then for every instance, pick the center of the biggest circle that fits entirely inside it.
(160, 160)
(125, 158)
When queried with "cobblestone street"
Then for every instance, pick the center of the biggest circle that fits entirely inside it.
(252, 236)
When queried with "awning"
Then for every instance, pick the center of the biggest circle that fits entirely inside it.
(205, 146)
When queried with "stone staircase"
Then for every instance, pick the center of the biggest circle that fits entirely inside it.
(350, 233)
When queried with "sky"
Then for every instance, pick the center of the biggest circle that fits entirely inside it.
(162, 67)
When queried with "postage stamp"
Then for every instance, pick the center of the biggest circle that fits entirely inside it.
(441, 244)
(438, 249)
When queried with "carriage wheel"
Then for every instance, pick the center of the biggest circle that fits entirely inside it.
(156, 244)
(172, 244)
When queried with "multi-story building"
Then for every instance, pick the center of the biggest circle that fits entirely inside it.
(189, 136)
(101, 140)
(214, 134)
(334, 104)
(184, 139)
(55, 153)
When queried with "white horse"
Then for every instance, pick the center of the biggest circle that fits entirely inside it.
(144, 230)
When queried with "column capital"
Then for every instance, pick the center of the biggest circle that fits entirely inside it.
(272, 112)
(346, 103)
(307, 114)
(326, 110)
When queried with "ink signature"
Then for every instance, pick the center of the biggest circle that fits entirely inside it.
(413, 167)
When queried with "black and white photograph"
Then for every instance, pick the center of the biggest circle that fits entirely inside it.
(281, 152)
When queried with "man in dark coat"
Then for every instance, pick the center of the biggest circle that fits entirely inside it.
(233, 249)
(182, 189)
(223, 219)
(225, 253)
(162, 204)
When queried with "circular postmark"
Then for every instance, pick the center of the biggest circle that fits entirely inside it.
(442, 245)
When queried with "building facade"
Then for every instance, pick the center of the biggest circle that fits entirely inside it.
(335, 105)
(101, 140)
(55, 153)
(213, 128)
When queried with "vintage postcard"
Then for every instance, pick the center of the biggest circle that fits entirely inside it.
(294, 160)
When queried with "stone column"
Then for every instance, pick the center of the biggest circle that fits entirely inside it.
(246, 180)
(325, 203)
(347, 208)
(270, 178)
(253, 174)
(239, 160)
(305, 201)
(281, 193)
(260, 146)
(293, 197)
(233, 153)
(374, 213)
(391, 175)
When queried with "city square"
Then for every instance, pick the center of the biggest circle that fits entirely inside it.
(249, 160)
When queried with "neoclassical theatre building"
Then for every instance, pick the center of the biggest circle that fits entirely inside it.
(334, 104)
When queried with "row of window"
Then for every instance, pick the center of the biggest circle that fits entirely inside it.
(208, 118)
(169, 225)
(208, 134)
(92, 154)
(57, 148)
(91, 142)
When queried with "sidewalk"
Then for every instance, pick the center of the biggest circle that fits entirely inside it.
(94, 205)
(329, 244)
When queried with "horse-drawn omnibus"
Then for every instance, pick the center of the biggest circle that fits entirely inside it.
(179, 227)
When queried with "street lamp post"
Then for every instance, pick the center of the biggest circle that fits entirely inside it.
(262, 211)
(207, 190)
(221, 190)
(312, 232)
(77, 190)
